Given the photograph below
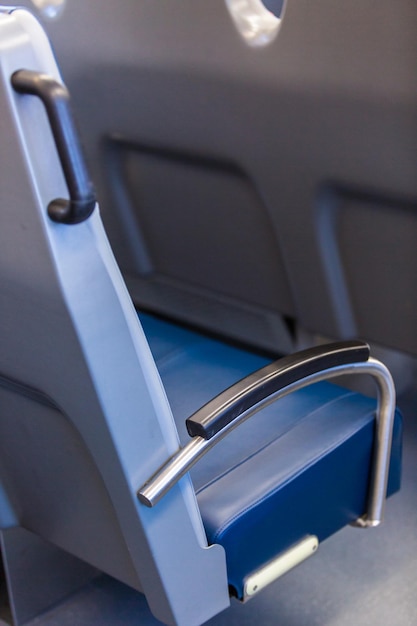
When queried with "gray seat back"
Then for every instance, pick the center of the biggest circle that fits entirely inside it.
(83, 415)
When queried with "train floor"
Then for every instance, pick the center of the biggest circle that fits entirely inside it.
(366, 578)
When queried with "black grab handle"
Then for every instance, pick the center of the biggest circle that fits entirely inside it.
(256, 387)
(55, 97)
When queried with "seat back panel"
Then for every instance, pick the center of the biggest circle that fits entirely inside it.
(71, 332)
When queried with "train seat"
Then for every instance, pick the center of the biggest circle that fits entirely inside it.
(183, 466)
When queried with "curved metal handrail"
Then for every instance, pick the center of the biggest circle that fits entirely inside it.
(266, 381)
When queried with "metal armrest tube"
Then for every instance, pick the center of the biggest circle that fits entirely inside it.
(185, 458)
(225, 407)
(55, 98)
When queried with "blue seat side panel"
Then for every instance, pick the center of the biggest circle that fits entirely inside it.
(319, 500)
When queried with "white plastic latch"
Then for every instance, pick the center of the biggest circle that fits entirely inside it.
(279, 566)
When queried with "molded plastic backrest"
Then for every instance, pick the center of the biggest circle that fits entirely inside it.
(84, 419)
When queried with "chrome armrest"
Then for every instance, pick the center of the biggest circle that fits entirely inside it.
(231, 407)
(255, 388)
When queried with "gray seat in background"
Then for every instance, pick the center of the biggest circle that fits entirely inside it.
(286, 172)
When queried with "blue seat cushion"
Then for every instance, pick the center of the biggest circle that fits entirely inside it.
(298, 467)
